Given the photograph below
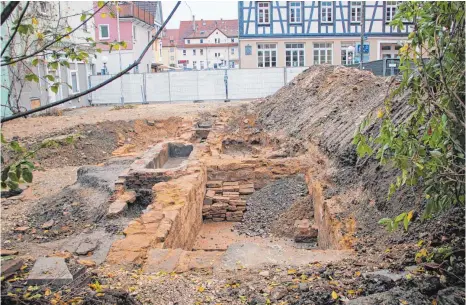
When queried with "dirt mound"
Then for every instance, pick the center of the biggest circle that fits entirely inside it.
(266, 205)
(301, 209)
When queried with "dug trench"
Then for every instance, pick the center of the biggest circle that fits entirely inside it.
(265, 203)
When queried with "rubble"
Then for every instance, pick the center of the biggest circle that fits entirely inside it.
(50, 271)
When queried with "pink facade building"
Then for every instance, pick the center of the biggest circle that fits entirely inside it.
(137, 23)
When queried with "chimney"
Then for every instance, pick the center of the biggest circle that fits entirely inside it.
(194, 23)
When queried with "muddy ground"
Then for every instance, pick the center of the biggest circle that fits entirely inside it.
(307, 116)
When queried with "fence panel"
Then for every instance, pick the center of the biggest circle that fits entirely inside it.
(211, 85)
(158, 87)
(293, 72)
(184, 86)
(254, 83)
(111, 93)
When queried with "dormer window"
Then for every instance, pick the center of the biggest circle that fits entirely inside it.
(188, 41)
(264, 12)
(202, 40)
(390, 10)
(294, 11)
(326, 12)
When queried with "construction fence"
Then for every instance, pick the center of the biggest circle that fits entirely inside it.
(234, 84)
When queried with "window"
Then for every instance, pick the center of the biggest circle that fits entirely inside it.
(194, 52)
(294, 12)
(104, 32)
(202, 40)
(390, 11)
(347, 54)
(184, 52)
(326, 12)
(171, 41)
(232, 40)
(264, 12)
(294, 54)
(232, 64)
(217, 54)
(194, 64)
(43, 7)
(217, 40)
(266, 55)
(172, 50)
(202, 65)
(232, 51)
(134, 32)
(356, 9)
(323, 53)
(74, 81)
(188, 41)
(201, 51)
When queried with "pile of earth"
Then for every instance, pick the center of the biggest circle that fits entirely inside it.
(302, 208)
(265, 206)
(322, 108)
(94, 143)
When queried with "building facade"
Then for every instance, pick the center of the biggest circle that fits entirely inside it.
(207, 44)
(170, 47)
(136, 26)
(305, 33)
(27, 95)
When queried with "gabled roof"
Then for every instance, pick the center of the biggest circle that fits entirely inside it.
(204, 28)
(170, 34)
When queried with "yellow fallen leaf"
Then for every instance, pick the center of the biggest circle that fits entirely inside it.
(47, 292)
(380, 114)
(334, 295)
(34, 21)
(357, 273)
(410, 214)
(434, 302)
(200, 289)
(291, 271)
(404, 302)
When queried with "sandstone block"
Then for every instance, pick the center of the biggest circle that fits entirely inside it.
(216, 219)
(246, 186)
(208, 201)
(216, 190)
(218, 199)
(228, 194)
(230, 188)
(238, 202)
(206, 208)
(116, 208)
(247, 191)
(232, 208)
(241, 208)
(50, 271)
(231, 183)
(214, 184)
(210, 193)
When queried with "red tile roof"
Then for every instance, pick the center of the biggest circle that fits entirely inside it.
(205, 27)
(168, 35)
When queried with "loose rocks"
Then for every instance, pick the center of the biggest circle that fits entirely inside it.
(265, 205)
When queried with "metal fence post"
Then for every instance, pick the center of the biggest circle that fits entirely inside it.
(169, 88)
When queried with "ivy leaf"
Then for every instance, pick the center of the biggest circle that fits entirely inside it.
(27, 174)
(32, 77)
(83, 17)
(54, 89)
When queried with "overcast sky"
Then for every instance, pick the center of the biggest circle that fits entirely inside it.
(201, 9)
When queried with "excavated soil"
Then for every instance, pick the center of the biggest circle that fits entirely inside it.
(302, 208)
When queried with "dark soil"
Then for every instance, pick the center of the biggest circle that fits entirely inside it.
(266, 205)
(301, 209)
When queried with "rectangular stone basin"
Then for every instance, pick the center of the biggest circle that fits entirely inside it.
(171, 155)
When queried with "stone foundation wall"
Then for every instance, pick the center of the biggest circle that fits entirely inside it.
(225, 201)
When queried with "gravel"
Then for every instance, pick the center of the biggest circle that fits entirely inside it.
(266, 205)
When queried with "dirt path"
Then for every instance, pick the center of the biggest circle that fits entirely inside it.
(35, 126)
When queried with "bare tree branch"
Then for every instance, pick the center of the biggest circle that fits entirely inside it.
(8, 10)
(16, 29)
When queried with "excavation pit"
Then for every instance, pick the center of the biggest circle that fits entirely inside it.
(170, 155)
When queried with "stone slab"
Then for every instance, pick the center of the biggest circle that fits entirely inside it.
(210, 193)
(116, 208)
(5, 252)
(50, 271)
(9, 267)
(246, 191)
(231, 183)
(162, 260)
(214, 184)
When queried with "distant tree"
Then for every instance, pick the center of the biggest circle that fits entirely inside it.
(428, 147)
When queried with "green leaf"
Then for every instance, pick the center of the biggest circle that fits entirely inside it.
(13, 176)
(2, 138)
(435, 153)
(100, 3)
(4, 185)
(35, 61)
(65, 63)
(50, 77)
(23, 29)
(27, 175)
(32, 77)
(83, 17)
(27, 163)
(16, 147)
(54, 65)
(54, 89)
(12, 185)
(5, 173)
(406, 223)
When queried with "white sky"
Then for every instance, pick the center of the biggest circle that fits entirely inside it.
(201, 9)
